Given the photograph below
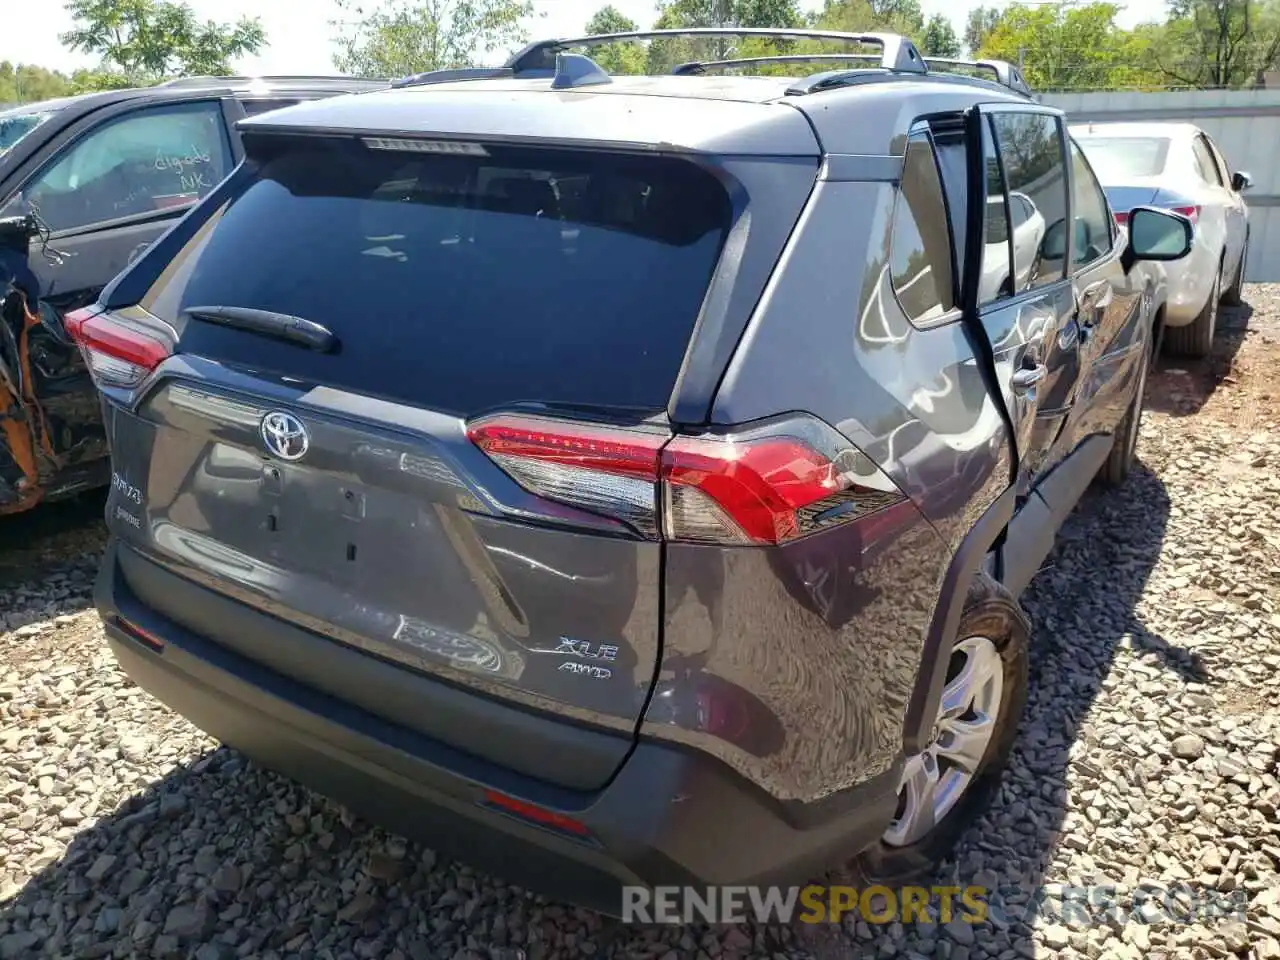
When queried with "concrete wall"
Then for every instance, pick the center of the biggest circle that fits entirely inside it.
(1245, 124)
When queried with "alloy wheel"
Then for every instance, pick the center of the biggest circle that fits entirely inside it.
(934, 780)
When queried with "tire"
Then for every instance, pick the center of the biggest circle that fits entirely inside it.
(1123, 452)
(1195, 340)
(993, 615)
(1232, 297)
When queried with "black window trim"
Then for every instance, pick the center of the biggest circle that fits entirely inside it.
(920, 130)
(95, 122)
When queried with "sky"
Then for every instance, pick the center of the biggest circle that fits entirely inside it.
(299, 31)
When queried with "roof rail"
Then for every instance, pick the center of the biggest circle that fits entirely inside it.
(1006, 74)
(448, 76)
(897, 53)
(201, 81)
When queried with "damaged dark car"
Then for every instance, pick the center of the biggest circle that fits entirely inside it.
(86, 184)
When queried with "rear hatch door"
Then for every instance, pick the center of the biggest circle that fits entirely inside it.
(326, 476)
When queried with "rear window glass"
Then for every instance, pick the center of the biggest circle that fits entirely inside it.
(462, 282)
(1116, 159)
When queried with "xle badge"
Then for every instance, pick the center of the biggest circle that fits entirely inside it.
(583, 649)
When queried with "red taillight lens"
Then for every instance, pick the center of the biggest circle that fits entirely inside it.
(1122, 217)
(759, 486)
(540, 815)
(1191, 213)
(117, 352)
(761, 489)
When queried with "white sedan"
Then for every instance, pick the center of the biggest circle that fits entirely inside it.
(1177, 166)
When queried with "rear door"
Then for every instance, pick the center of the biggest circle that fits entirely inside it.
(112, 184)
(1030, 322)
(335, 483)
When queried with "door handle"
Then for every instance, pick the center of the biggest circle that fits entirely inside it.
(1026, 378)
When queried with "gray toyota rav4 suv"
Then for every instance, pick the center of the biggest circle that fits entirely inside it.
(624, 480)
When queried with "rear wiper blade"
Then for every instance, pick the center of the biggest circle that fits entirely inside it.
(281, 326)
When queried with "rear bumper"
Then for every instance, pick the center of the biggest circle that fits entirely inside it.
(669, 817)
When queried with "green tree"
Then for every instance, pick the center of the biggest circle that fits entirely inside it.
(402, 37)
(616, 58)
(26, 83)
(665, 54)
(1073, 49)
(940, 38)
(1217, 43)
(982, 20)
(147, 40)
(860, 16)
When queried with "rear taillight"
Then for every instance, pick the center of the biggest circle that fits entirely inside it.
(1192, 213)
(118, 352)
(1122, 217)
(766, 486)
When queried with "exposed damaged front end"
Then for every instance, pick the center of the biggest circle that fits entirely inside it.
(46, 401)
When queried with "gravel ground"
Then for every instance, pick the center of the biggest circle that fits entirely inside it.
(1149, 753)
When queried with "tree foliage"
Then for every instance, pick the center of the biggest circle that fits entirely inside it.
(1080, 48)
(400, 37)
(981, 21)
(939, 39)
(143, 41)
(616, 58)
(1217, 43)
(24, 83)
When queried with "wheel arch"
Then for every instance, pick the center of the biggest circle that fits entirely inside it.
(983, 541)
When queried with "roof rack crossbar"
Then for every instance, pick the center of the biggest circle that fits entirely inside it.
(699, 66)
(448, 76)
(1006, 74)
(896, 52)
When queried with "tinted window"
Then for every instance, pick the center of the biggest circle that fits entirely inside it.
(1031, 150)
(1119, 159)
(993, 283)
(1093, 222)
(462, 282)
(254, 107)
(920, 254)
(150, 160)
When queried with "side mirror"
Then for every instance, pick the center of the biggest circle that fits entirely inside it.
(1158, 235)
(1241, 181)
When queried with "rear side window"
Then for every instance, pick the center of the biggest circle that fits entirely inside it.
(920, 252)
(461, 282)
(1031, 149)
(994, 281)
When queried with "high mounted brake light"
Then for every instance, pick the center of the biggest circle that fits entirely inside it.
(118, 352)
(767, 486)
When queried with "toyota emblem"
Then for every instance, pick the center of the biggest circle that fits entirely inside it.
(285, 436)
